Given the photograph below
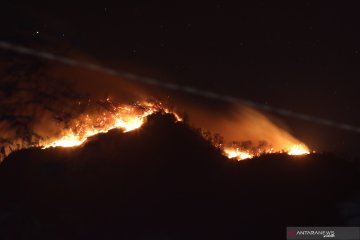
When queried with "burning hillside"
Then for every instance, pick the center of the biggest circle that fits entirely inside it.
(165, 180)
(81, 162)
(40, 110)
(131, 117)
(140, 121)
(124, 117)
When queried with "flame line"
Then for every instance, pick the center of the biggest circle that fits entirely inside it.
(172, 86)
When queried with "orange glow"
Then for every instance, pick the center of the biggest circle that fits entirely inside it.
(124, 117)
(131, 117)
(298, 149)
(236, 154)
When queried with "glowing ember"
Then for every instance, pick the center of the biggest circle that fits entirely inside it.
(236, 154)
(67, 141)
(298, 149)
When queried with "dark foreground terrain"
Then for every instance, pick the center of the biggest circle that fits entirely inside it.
(165, 182)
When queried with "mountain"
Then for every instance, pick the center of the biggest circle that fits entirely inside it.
(164, 181)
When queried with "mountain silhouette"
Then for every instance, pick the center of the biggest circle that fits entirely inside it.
(164, 181)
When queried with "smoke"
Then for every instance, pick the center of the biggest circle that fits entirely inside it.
(38, 100)
(240, 123)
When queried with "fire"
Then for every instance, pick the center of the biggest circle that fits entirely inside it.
(124, 117)
(132, 116)
(66, 141)
(237, 154)
(298, 149)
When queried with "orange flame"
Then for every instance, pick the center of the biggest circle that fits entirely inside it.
(125, 117)
(298, 149)
(131, 117)
(235, 153)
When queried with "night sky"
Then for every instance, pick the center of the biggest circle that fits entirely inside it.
(305, 59)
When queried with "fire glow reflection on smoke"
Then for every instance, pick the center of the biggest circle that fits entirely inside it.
(131, 117)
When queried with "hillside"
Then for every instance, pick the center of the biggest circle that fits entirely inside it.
(164, 181)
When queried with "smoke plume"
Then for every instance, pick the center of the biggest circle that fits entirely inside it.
(39, 100)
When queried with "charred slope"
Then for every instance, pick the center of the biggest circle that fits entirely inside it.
(164, 181)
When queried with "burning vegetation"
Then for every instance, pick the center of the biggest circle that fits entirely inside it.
(38, 111)
(125, 117)
(132, 116)
(165, 173)
(128, 117)
(239, 153)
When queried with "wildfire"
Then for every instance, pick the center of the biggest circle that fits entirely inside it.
(298, 149)
(131, 117)
(236, 153)
(124, 117)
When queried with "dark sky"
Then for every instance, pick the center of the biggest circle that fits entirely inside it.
(305, 59)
